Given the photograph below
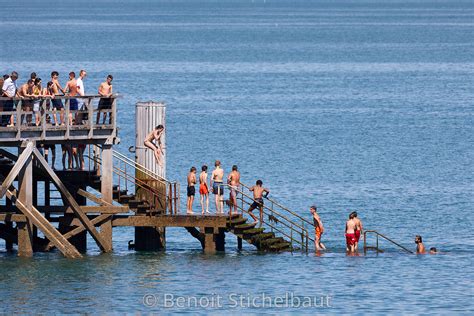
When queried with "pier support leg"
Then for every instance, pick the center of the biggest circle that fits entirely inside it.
(106, 232)
(8, 243)
(25, 195)
(150, 238)
(79, 240)
(214, 239)
(239, 243)
(107, 173)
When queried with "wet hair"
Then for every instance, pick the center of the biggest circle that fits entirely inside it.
(159, 126)
(351, 215)
(433, 249)
(259, 182)
(5, 77)
(30, 81)
(313, 207)
(54, 73)
(234, 168)
(33, 75)
(192, 169)
(204, 168)
(418, 237)
(354, 214)
(217, 163)
(37, 80)
(72, 74)
(110, 76)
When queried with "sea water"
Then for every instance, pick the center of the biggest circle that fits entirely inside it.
(350, 105)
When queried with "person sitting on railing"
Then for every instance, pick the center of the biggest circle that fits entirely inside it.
(105, 103)
(9, 89)
(420, 248)
(155, 136)
(57, 103)
(26, 93)
(72, 90)
(234, 181)
(258, 194)
(318, 229)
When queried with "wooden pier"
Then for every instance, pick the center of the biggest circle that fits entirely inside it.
(42, 208)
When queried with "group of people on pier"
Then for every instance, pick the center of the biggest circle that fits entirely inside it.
(32, 93)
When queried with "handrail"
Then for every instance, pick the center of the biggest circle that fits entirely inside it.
(384, 237)
(291, 225)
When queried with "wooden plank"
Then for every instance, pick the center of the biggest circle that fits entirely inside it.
(107, 174)
(11, 217)
(92, 197)
(22, 160)
(75, 207)
(46, 228)
(60, 209)
(98, 220)
(170, 221)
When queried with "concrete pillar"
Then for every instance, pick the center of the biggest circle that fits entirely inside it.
(149, 238)
(214, 239)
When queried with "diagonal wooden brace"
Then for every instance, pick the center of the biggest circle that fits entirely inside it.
(105, 247)
(22, 160)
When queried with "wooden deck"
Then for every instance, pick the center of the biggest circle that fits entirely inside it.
(82, 130)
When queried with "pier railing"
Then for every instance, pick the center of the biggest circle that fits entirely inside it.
(57, 118)
(376, 248)
(276, 221)
(161, 194)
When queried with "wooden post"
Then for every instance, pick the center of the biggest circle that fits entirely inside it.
(25, 196)
(9, 244)
(106, 190)
(239, 243)
(214, 239)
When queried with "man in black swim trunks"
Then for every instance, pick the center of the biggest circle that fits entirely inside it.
(191, 190)
(258, 191)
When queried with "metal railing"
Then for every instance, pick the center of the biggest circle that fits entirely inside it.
(277, 222)
(376, 248)
(160, 193)
(44, 114)
(294, 217)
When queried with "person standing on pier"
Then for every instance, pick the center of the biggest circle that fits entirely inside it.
(203, 189)
(318, 229)
(217, 185)
(358, 229)
(81, 89)
(155, 136)
(57, 103)
(26, 91)
(234, 181)
(105, 103)
(72, 90)
(350, 234)
(10, 90)
(191, 190)
(258, 191)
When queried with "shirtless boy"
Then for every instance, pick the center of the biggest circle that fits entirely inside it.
(57, 103)
(203, 189)
(71, 90)
(258, 190)
(234, 181)
(217, 186)
(318, 229)
(26, 91)
(155, 136)
(191, 190)
(358, 228)
(420, 248)
(350, 234)
(105, 103)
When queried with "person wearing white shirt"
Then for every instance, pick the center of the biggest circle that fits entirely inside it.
(81, 90)
(9, 89)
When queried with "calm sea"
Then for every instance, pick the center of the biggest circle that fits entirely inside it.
(351, 105)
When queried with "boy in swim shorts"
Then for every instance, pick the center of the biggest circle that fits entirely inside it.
(318, 229)
(191, 190)
(258, 191)
(203, 189)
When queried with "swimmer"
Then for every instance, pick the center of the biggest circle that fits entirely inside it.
(350, 234)
(420, 248)
(258, 191)
(358, 230)
(318, 229)
(433, 251)
(155, 136)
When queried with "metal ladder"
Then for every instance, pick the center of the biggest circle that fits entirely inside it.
(376, 248)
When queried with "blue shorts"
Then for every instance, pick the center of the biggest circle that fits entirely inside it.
(57, 104)
(73, 105)
(218, 188)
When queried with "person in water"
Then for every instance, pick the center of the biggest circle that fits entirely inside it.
(420, 248)
(234, 181)
(191, 190)
(258, 194)
(358, 228)
(217, 186)
(153, 141)
(204, 189)
(318, 229)
(350, 234)
(433, 251)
